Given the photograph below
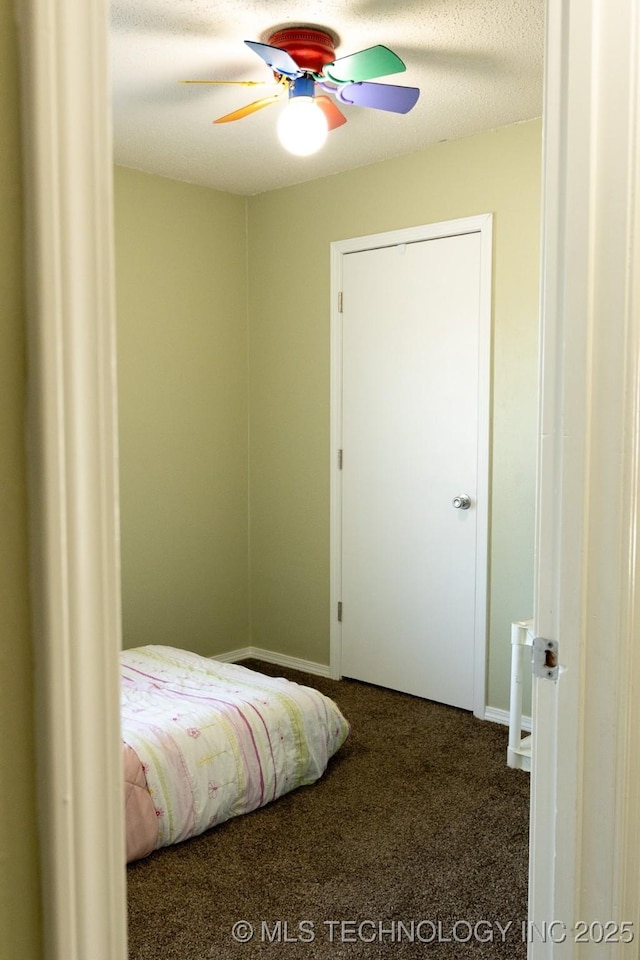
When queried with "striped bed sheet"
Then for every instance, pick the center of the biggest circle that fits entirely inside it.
(213, 740)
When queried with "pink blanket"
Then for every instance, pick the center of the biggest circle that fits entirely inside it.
(140, 814)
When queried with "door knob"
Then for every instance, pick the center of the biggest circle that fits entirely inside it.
(463, 502)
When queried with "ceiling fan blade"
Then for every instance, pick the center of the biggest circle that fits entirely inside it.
(380, 96)
(335, 116)
(373, 62)
(276, 58)
(248, 109)
(237, 83)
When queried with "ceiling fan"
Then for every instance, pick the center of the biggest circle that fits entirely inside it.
(303, 60)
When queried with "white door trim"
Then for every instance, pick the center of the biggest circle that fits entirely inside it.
(73, 475)
(482, 224)
(585, 827)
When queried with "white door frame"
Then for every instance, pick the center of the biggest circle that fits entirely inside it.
(483, 225)
(73, 475)
(587, 591)
(585, 827)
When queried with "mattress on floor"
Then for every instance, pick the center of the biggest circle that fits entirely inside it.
(214, 740)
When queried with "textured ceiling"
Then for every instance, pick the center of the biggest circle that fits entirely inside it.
(478, 64)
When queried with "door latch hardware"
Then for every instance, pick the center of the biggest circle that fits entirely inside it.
(545, 658)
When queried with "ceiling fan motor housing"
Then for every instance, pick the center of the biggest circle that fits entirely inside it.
(310, 49)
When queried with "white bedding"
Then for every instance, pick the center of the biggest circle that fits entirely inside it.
(216, 740)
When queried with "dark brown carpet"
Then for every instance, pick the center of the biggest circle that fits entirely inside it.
(415, 841)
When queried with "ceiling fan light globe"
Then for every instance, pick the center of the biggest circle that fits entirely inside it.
(302, 126)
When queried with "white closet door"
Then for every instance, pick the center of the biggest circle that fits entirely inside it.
(410, 448)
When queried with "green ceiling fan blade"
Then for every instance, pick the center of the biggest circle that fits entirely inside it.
(367, 64)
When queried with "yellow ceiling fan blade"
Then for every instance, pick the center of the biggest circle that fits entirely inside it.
(248, 109)
(239, 83)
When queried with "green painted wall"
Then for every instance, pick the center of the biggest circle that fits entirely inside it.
(181, 286)
(182, 281)
(19, 882)
(289, 235)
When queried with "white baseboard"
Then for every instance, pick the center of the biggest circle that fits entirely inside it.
(502, 716)
(281, 659)
(233, 656)
(494, 714)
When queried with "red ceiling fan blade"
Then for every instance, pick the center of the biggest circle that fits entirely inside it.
(248, 109)
(335, 116)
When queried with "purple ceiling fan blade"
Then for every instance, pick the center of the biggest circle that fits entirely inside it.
(380, 96)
